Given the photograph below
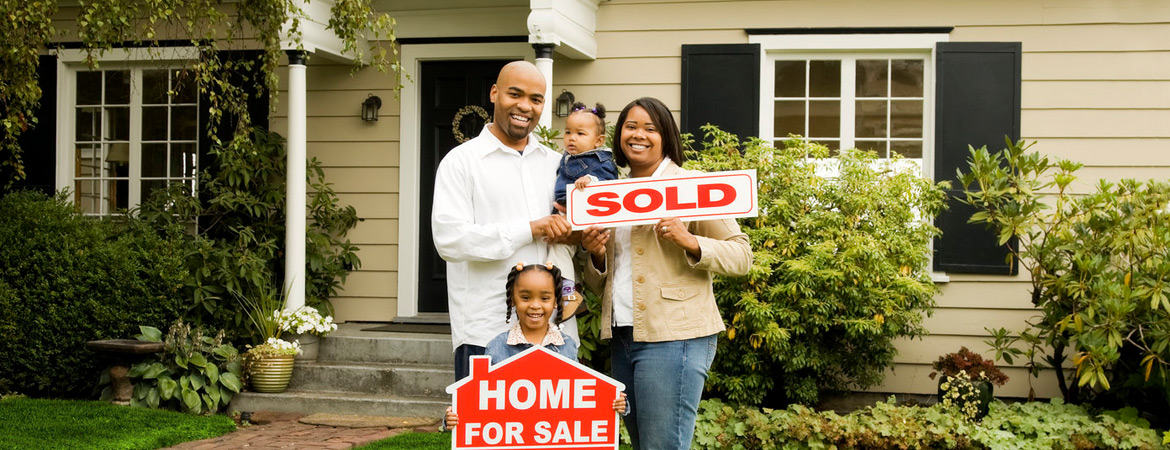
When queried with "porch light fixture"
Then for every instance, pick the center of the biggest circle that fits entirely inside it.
(564, 103)
(370, 108)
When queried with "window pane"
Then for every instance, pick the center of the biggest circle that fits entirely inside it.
(118, 159)
(906, 116)
(824, 118)
(824, 78)
(870, 118)
(184, 86)
(789, 118)
(88, 120)
(119, 195)
(834, 145)
(154, 160)
(88, 196)
(876, 146)
(908, 149)
(789, 78)
(117, 124)
(117, 87)
(872, 76)
(88, 161)
(183, 160)
(89, 88)
(154, 123)
(150, 186)
(183, 123)
(154, 87)
(908, 76)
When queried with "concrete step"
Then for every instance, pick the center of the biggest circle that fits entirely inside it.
(312, 402)
(350, 344)
(412, 380)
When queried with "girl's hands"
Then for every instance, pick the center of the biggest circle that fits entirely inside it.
(582, 182)
(674, 230)
(619, 404)
(453, 419)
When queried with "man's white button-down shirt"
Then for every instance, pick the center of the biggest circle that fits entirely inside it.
(485, 196)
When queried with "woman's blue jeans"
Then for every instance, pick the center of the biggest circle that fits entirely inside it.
(664, 383)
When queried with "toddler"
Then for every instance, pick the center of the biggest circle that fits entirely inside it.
(586, 157)
(533, 293)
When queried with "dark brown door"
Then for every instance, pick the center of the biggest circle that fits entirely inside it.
(448, 89)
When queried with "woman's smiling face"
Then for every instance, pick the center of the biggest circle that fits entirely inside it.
(641, 142)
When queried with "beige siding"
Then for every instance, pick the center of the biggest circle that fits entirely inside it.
(360, 159)
(1096, 90)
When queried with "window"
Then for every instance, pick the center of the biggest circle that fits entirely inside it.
(870, 92)
(135, 130)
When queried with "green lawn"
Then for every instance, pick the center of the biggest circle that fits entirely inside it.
(72, 424)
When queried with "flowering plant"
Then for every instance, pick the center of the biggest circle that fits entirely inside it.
(273, 347)
(970, 364)
(305, 319)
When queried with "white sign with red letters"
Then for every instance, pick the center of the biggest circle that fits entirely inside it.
(637, 201)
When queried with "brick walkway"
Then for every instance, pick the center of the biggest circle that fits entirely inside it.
(270, 430)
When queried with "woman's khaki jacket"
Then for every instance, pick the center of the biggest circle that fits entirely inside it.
(673, 296)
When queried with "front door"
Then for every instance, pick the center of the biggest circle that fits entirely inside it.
(448, 89)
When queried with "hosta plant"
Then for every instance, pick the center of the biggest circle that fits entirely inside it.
(196, 373)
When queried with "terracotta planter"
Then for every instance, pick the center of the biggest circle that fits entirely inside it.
(982, 394)
(271, 374)
(309, 344)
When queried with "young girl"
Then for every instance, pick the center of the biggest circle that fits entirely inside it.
(586, 157)
(533, 294)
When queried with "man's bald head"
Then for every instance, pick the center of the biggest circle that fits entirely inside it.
(518, 96)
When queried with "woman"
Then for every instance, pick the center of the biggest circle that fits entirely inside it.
(658, 304)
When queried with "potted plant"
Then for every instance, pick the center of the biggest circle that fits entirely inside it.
(967, 382)
(269, 364)
(305, 326)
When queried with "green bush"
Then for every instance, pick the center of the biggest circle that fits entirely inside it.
(840, 270)
(66, 279)
(1034, 425)
(1099, 269)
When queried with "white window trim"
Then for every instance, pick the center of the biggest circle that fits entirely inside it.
(72, 61)
(837, 45)
(408, 164)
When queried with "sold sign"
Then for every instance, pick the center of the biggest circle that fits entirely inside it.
(637, 201)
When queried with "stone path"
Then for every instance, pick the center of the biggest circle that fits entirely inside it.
(272, 430)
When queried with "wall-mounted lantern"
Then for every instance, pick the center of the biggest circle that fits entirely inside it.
(564, 103)
(370, 108)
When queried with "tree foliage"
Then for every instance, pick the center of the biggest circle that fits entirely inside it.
(208, 25)
(840, 270)
(1099, 270)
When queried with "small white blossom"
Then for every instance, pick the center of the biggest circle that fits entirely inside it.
(304, 320)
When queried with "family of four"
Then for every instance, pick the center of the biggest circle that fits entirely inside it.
(509, 254)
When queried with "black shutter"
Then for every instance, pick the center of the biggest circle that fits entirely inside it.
(39, 143)
(977, 103)
(721, 86)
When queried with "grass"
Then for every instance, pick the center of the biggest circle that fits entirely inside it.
(420, 441)
(73, 424)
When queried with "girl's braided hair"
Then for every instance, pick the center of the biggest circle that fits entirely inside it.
(519, 268)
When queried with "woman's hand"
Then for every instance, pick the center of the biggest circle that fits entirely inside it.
(593, 240)
(619, 404)
(452, 419)
(674, 230)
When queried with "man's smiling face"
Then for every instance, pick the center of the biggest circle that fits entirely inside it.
(518, 96)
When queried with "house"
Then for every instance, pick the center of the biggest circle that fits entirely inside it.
(1088, 80)
(535, 399)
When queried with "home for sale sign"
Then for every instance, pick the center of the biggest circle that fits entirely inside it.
(534, 400)
(637, 201)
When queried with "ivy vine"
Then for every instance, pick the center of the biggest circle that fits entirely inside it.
(30, 26)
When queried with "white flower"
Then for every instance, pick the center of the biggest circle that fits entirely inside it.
(304, 320)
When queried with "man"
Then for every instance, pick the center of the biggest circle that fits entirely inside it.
(493, 197)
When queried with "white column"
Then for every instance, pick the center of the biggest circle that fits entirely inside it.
(544, 62)
(296, 190)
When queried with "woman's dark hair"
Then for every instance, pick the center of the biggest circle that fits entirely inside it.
(663, 121)
(514, 274)
(597, 110)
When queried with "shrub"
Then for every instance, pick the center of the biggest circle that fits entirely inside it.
(1099, 270)
(66, 279)
(840, 270)
(1034, 425)
(969, 363)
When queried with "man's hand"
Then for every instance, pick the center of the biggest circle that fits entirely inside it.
(453, 419)
(552, 227)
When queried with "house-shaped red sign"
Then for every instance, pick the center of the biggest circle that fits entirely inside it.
(534, 400)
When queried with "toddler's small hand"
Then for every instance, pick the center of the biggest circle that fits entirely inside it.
(582, 182)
